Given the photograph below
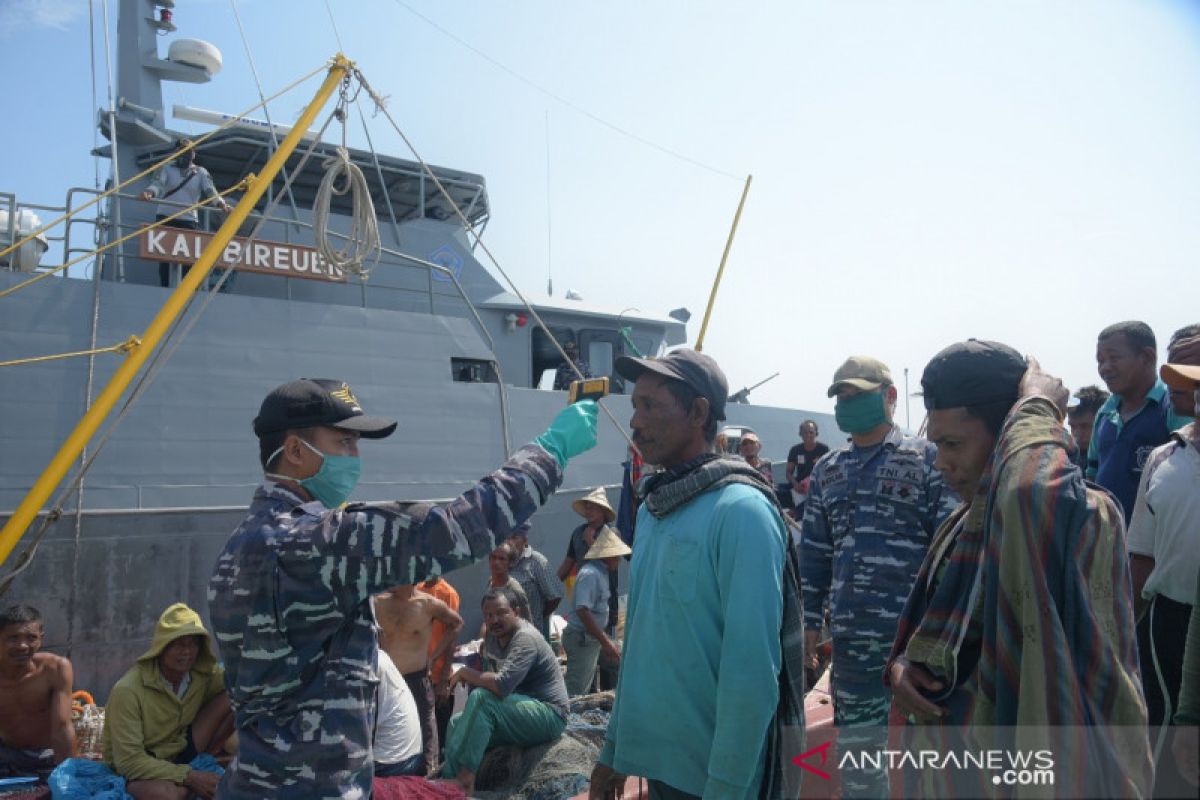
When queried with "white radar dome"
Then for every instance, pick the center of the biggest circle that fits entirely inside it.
(196, 53)
(28, 256)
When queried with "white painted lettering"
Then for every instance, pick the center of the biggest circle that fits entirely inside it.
(180, 247)
(154, 241)
(282, 260)
(262, 255)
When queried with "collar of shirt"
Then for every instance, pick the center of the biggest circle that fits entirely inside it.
(1112, 406)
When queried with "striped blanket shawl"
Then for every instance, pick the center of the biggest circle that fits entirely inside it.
(1053, 643)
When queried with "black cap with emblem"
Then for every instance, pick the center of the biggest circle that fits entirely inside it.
(312, 402)
(972, 373)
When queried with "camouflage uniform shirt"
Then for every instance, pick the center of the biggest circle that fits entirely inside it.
(870, 516)
(289, 602)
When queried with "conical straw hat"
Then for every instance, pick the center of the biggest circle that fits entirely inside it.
(607, 544)
(596, 497)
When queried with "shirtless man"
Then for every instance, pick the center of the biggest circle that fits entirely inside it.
(36, 733)
(406, 615)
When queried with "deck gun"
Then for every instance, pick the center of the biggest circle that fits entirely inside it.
(742, 395)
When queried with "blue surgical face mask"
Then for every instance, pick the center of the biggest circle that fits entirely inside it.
(861, 412)
(333, 482)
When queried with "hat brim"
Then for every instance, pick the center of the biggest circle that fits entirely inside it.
(610, 550)
(577, 507)
(1180, 376)
(631, 368)
(367, 427)
(857, 383)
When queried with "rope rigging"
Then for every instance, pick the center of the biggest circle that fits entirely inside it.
(169, 157)
(174, 336)
(381, 107)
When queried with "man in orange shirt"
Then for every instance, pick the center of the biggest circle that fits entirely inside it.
(439, 668)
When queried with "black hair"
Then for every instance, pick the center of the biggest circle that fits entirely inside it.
(813, 422)
(512, 551)
(514, 600)
(19, 615)
(496, 592)
(992, 414)
(685, 395)
(1186, 332)
(270, 442)
(1090, 400)
(1137, 333)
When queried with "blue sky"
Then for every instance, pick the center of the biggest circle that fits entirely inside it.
(923, 171)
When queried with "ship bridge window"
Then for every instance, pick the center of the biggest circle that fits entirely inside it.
(545, 355)
(599, 347)
(473, 370)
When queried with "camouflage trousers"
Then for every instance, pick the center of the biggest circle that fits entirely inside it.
(860, 713)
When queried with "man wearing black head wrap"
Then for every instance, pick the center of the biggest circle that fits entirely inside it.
(1022, 612)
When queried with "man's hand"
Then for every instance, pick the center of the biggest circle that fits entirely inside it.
(811, 657)
(805, 484)
(572, 432)
(1037, 382)
(202, 783)
(224, 206)
(441, 690)
(146, 195)
(610, 651)
(459, 676)
(606, 784)
(907, 679)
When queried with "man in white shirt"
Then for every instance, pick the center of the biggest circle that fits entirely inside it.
(397, 745)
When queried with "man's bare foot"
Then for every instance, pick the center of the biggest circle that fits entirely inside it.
(466, 780)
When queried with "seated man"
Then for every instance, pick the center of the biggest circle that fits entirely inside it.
(168, 709)
(35, 699)
(397, 747)
(519, 700)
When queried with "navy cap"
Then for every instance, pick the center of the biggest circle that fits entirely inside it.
(684, 364)
(972, 373)
(312, 402)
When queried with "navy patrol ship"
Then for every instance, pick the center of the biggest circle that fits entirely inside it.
(433, 339)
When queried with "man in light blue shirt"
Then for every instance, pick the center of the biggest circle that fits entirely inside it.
(699, 683)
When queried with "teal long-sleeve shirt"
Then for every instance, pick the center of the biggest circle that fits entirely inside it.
(700, 663)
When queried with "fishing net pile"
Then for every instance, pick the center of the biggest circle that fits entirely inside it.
(550, 771)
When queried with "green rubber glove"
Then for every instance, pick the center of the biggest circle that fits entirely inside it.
(572, 432)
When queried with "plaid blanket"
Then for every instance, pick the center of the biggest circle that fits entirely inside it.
(1030, 621)
(666, 491)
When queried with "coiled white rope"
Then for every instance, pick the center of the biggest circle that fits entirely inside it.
(362, 245)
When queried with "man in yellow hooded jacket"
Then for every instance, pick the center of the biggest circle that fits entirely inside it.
(168, 709)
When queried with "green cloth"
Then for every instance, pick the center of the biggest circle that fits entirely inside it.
(487, 721)
(1189, 693)
(145, 723)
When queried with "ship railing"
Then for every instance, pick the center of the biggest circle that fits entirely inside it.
(108, 227)
(103, 226)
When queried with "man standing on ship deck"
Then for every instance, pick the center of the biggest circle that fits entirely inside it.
(289, 597)
(180, 184)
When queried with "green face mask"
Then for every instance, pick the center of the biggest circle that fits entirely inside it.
(861, 412)
(333, 482)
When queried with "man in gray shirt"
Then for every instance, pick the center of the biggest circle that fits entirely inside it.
(180, 184)
(520, 699)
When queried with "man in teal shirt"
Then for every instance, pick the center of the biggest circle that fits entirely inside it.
(699, 682)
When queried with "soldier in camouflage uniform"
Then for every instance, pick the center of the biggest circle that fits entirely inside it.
(872, 509)
(289, 598)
